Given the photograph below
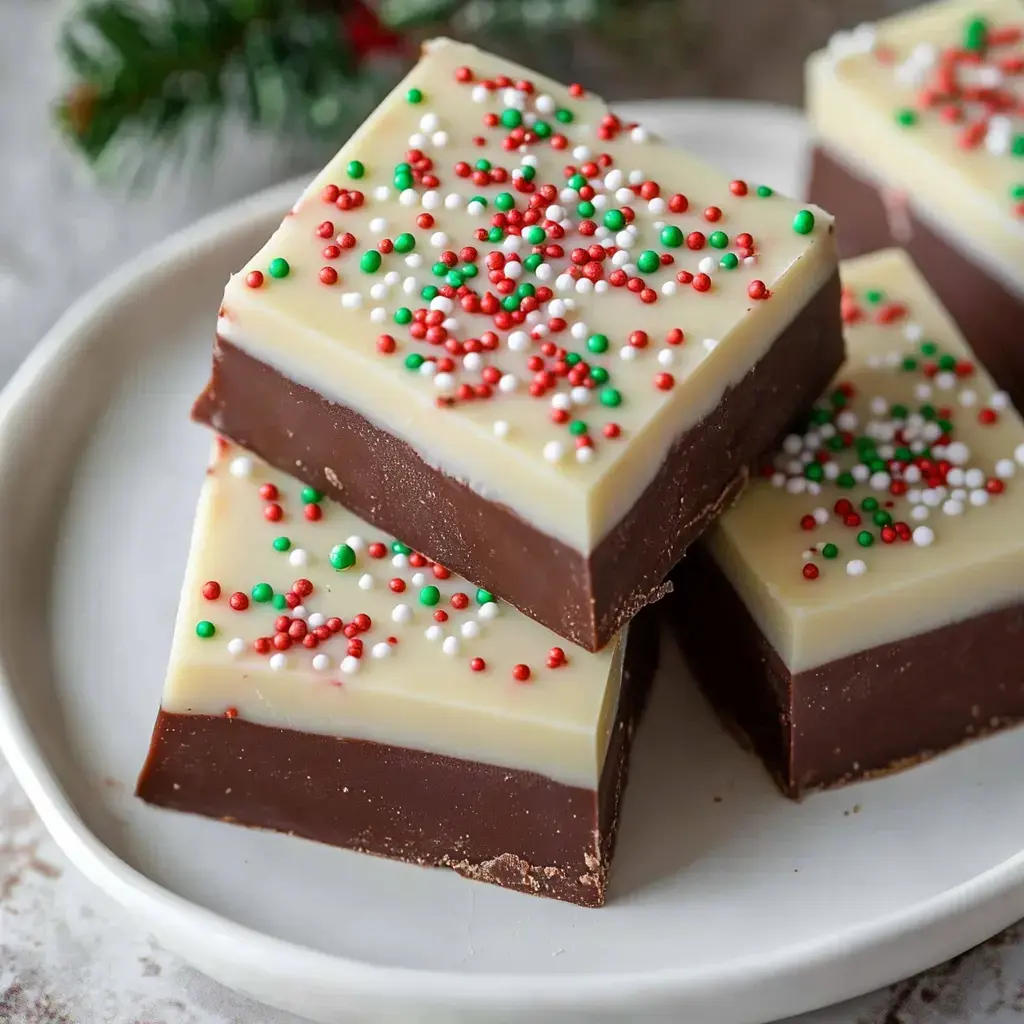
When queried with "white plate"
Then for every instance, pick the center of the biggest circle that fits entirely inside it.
(728, 904)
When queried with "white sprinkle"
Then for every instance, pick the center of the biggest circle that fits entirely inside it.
(278, 661)
(666, 357)
(554, 451)
(656, 206)
(793, 444)
(974, 478)
(379, 291)
(561, 401)
(349, 665)
(956, 477)
(1018, 454)
(628, 353)
(366, 581)
(820, 516)
(952, 507)
(418, 579)
(500, 428)
(958, 453)
(433, 632)
(351, 300)
(489, 611)
(584, 285)
(847, 420)
(923, 391)
(321, 662)
(999, 400)
(580, 395)
(585, 454)
(968, 398)
(923, 536)
(470, 629)
(638, 134)
(508, 382)
(669, 288)
(475, 207)
(379, 650)
(979, 497)
(932, 496)
(856, 567)
(708, 265)
(240, 467)
(919, 512)
(417, 140)
(450, 645)
(860, 473)
(453, 201)
(381, 192)
(444, 382)
(1005, 469)
(710, 344)
(401, 613)
(796, 485)
(236, 646)
(480, 94)
(439, 139)
(315, 619)
(831, 470)
(958, 494)
(879, 405)
(408, 197)
(298, 557)
(400, 561)
(438, 239)
(430, 122)
(428, 368)
(378, 315)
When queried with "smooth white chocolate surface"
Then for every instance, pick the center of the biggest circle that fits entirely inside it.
(420, 691)
(966, 555)
(507, 446)
(857, 87)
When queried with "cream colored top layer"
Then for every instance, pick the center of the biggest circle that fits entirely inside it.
(908, 102)
(955, 544)
(547, 456)
(409, 679)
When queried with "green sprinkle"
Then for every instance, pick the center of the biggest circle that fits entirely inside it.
(946, 426)
(599, 374)
(403, 315)
(526, 289)
(764, 191)
(906, 117)
(262, 593)
(898, 411)
(398, 548)
(369, 262)
(403, 180)
(403, 168)
(928, 412)
(429, 291)
(310, 496)
(439, 269)
(355, 169)
(542, 129)
(484, 596)
(610, 397)
(909, 363)
(470, 269)
(577, 181)
(279, 267)
(648, 262)
(511, 118)
(835, 443)
(573, 358)
(483, 164)
(478, 199)
(586, 208)
(845, 480)
(1017, 192)
(282, 543)
(279, 602)
(903, 454)
(536, 235)
(719, 239)
(342, 557)
(528, 172)
(947, 362)
(598, 343)
(532, 262)
(414, 96)
(865, 538)
(453, 278)
(803, 222)
(671, 236)
(829, 551)
(838, 399)
(564, 116)
(205, 629)
(730, 261)
(405, 242)
(577, 427)
(504, 201)
(881, 518)
(1017, 146)
(495, 235)
(614, 220)
(976, 35)
(413, 361)
(874, 296)
(815, 471)
(877, 465)
(430, 596)
(510, 303)
(929, 348)
(820, 416)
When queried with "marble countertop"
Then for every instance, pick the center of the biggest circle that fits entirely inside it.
(68, 955)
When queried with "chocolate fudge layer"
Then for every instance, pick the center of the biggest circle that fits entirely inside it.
(329, 681)
(862, 606)
(535, 317)
(920, 145)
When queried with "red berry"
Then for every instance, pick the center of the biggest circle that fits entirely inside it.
(211, 590)
(261, 645)
(330, 193)
(988, 416)
(347, 240)
(326, 229)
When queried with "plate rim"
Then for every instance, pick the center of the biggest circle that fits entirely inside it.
(840, 966)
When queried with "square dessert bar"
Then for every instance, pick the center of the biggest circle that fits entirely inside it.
(328, 681)
(920, 143)
(535, 342)
(862, 607)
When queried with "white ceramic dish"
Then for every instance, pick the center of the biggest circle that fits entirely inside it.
(728, 903)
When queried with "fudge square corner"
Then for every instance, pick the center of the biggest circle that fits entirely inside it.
(538, 343)
(861, 608)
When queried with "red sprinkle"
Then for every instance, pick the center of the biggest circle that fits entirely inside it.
(701, 283)
(808, 522)
(810, 571)
(313, 512)
(460, 600)
(757, 290)
(302, 587)
(268, 492)
(521, 673)
(239, 601)
(211, 590)
(738, 188)
(397, 585)
(478, 664)
(273, 513)
(988, 416)
(254, 279)
(664, 381)
(712, 214)
(611, 430)
(376, 550)
(678, 203)
(231, 712)
(328, 275)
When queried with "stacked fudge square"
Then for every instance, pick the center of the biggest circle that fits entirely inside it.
(504, 337)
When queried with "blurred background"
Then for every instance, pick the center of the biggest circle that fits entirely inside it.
(121, 121)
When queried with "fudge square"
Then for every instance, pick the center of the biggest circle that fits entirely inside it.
(326, 680)
(861, 609)
(920, 143)
(536, 343)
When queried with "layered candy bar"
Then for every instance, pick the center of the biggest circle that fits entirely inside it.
(919, 122)
(534, 341)
(862, 607)
(330, 682)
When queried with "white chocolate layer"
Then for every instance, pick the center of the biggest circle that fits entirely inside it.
(857, 87)
(507, 447)
(966, 555)
(420, 691)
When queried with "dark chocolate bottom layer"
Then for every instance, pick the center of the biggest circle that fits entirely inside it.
(586, 599)
(989, 315)
(512, 828)
(873, 712)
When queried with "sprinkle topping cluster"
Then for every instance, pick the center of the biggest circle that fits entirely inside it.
(891, 472)
(473, 263)
(287, 624)
(975, 85)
